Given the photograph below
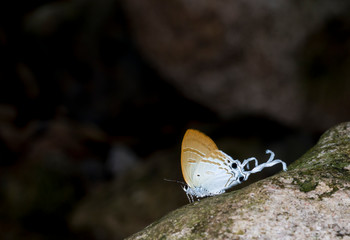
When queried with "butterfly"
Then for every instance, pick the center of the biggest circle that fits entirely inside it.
(209, 171)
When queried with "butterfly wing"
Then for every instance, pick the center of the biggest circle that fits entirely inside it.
(195, 146)
(214, 172)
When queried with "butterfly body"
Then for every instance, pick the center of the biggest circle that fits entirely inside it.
(209, 171)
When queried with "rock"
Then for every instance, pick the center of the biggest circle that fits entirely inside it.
(284, 59)
(311, 200)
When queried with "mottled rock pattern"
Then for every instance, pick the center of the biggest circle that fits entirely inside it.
(309, 201)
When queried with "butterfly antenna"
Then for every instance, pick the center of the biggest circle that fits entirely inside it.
(170, 180)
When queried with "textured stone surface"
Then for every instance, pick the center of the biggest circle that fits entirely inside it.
(309, 201)
(285, 59)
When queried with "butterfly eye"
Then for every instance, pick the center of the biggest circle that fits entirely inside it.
(241, 179)
(234, 165)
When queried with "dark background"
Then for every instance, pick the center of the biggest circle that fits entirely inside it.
(96, 97)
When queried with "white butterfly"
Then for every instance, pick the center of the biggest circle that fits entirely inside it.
(209, 171)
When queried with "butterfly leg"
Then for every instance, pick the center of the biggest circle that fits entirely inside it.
(188, 194)
(189, 197)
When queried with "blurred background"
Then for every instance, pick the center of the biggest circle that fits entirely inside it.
(96, 97)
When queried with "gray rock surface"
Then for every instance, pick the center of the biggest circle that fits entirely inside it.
(285, 59)
(309, 201)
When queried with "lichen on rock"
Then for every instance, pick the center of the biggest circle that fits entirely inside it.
(309, 201)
